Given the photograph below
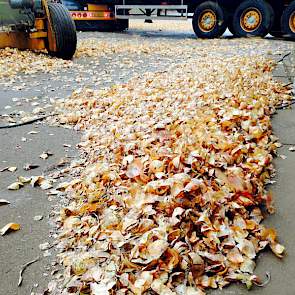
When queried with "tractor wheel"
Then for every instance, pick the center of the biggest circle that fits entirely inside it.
(288, 21)
(209, 20)
(253, 18)
(64, 31)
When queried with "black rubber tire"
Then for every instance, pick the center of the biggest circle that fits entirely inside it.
(286, 29)
(266, 22)
(229, 19)
(95, 25)
(221, 23)
(64, 30)
(272, 16)
(230, 27)
(121, 25)
(275, 28)
(102, 25)
(276, 34)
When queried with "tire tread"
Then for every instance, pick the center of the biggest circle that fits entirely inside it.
(64, 30)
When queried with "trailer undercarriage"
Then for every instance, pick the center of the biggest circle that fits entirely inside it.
(210, 18)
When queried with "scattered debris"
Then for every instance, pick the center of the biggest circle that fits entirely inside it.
(28, 167)
(9, 227)
(46, 184)
(45, 155)
(67, 145)
(173, 179)
(33, 132)
(20, 279)
(24, 179)
(15, 186)
(10, 169)
(38, 217)
(4, 202)
(259, 284)
(44, 246)
(171, 184)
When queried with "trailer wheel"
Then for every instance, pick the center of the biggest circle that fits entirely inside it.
(121, 25)
(253, 18)
(276, 32)
(230, 27)
(288, 21)
(209, 20)
(272, 16)
(275, 28)
(229, 18)
(64, 31)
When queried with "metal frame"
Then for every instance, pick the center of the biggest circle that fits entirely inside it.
(36, 39)
(156, 11)
(26, 40)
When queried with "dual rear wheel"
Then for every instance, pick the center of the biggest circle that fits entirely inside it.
(288, 21)
(209, 20)
(250, 18)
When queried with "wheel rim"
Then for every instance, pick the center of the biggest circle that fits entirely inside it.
(251, 19)
(292, 22)
(207, 21)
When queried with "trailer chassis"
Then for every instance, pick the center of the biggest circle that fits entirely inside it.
(210, 18)
(160, 12)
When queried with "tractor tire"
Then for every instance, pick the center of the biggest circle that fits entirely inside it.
(209, 20)
(288, 21)
(64, 31)
(253, 18)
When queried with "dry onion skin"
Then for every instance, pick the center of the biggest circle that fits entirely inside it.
(14, 61)
(171, 190)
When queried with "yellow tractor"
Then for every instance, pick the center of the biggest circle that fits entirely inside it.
(37, 25)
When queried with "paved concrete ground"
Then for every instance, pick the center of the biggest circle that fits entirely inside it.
(18, 248)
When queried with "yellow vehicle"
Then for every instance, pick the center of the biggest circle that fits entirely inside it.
(37, 25)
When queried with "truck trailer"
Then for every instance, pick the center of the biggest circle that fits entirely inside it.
(210, 19)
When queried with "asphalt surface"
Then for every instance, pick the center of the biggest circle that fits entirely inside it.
(16, 249)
